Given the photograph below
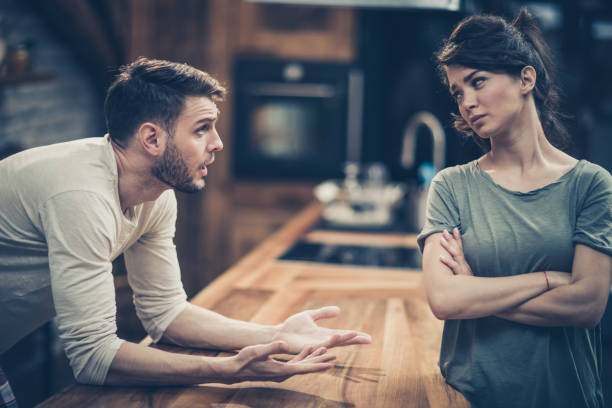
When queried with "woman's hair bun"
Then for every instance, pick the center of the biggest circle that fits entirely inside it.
(525, 22)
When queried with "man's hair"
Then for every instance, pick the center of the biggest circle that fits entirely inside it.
(149, 90)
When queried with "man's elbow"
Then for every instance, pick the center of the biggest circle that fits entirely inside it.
(82, 377)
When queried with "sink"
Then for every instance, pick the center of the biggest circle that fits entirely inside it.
(375, 256)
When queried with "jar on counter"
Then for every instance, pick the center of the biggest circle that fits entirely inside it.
(17, 60)
(2, 44)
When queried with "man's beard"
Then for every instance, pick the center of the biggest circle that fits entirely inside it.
(172, 170)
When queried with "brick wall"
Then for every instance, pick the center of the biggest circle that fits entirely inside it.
(66, 107)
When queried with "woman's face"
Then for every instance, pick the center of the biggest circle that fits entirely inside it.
(489, 102)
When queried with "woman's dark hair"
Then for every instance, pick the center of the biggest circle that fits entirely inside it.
(153, 90)
(489, 43)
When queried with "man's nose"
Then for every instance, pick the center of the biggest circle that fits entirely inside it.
(216, 145)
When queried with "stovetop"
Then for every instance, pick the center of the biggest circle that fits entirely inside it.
(377, 256)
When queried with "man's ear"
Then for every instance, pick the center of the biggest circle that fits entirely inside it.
(528, 79)
(152, 138)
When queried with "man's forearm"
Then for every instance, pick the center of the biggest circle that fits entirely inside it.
(135, 364)
(202, 328)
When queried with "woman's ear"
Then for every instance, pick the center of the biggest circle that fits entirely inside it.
(151, 138)
(528, 79)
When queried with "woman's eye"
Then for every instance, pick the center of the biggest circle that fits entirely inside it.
(477, 81)
(457, 96)
(204, 128)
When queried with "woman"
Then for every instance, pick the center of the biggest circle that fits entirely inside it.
(517, 244)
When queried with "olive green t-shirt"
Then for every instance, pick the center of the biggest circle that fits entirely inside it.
(500, 363)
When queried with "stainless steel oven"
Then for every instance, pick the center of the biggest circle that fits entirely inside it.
(295, 119)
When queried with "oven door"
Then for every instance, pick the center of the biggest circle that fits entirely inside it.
(290, 120)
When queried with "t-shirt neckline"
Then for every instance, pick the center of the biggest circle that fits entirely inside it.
(561, 179)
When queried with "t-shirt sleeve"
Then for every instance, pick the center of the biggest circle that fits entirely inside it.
(79, 234)
(153, 270)
(442, 212)
(594, 217)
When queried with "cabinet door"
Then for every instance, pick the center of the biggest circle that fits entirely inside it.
(315, 33)
(259, 209)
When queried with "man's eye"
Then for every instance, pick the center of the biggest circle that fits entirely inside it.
(204, 128)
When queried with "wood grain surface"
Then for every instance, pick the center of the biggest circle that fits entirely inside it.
(399, 368)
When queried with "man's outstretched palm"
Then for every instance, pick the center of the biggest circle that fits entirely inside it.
(301, 330)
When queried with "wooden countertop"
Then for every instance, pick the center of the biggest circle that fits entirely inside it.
(399, 368)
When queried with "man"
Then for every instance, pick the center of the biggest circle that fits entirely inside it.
(68, 210)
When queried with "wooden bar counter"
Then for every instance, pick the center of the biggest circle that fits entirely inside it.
(399, 368)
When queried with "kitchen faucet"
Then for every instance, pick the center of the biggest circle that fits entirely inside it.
(409, 139)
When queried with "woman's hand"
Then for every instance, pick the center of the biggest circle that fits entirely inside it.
(301, 330)
(454, 247)
(255, 363)
(457, 263)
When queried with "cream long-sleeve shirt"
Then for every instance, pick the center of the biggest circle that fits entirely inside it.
(61, 226)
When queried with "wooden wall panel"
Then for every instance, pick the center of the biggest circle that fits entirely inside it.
(311, 33)
(208, 34)
(198, 32)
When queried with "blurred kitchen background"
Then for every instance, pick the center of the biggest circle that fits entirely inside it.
(335, 91)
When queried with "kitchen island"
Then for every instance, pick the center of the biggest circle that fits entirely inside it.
(399, 368)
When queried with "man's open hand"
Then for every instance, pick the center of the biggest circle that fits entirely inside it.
(300, 331)
(255, 363)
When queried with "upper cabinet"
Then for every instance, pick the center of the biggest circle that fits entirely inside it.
(297, 32)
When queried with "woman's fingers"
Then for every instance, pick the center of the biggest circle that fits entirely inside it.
(457, 236)
(451, 263)
(448, 243)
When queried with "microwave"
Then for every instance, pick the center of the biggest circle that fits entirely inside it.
(295, 119)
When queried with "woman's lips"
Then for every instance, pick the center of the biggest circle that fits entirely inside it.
(477, 119)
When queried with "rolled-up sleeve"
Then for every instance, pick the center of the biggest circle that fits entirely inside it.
(79, 237)
(442, 212)
(153, 270)
(594, 217)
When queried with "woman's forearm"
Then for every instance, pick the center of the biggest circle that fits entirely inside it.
(576, 299)
(581, 303)
(563, 306)
(470, 297)
(457, 294)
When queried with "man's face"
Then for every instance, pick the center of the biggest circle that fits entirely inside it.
(191, 148)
